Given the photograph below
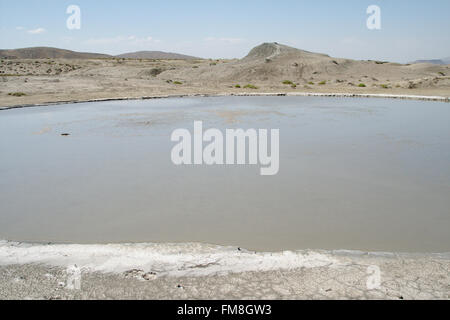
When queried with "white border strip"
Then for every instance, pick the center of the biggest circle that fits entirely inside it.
(243, 94)
(189, 259)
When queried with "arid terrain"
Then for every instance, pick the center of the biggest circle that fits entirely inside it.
(268, 68)
(126, 272)
(197, 271)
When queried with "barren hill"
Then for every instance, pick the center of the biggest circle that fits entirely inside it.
(48, 52)
(435, 61)
(268, 51)
(157, 55)
(268, 68)
(272, 63)
(55, 53)
(432, 61)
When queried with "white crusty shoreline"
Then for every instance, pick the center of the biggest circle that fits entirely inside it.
(242, 94)
(200, 271)
(175, 260)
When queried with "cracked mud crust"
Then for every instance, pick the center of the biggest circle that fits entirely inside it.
(402, 277)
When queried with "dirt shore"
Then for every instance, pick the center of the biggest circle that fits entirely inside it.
(196, 271)
(322, 275)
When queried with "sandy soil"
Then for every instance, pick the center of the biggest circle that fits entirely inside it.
(269, 68)
(345, 276)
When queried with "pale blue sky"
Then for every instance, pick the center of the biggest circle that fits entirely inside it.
(226, 29)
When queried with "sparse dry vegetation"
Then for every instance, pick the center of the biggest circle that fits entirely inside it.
(17, 94)
(51, 80)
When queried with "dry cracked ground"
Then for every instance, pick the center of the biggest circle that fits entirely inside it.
(421, 277)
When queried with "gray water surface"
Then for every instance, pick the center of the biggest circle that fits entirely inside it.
(363, 174)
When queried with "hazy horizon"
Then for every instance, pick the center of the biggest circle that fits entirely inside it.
(410, 30)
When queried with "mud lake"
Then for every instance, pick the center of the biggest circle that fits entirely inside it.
(354, 173)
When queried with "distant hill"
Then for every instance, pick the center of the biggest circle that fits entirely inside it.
(55, 53)
(275, 64)
(47, 52)
(443, 61)
(156, 55)
(269, 51)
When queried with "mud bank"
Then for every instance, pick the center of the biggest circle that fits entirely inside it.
(246, 94)
(198, 271)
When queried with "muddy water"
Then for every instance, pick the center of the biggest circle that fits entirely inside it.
(367, 174)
